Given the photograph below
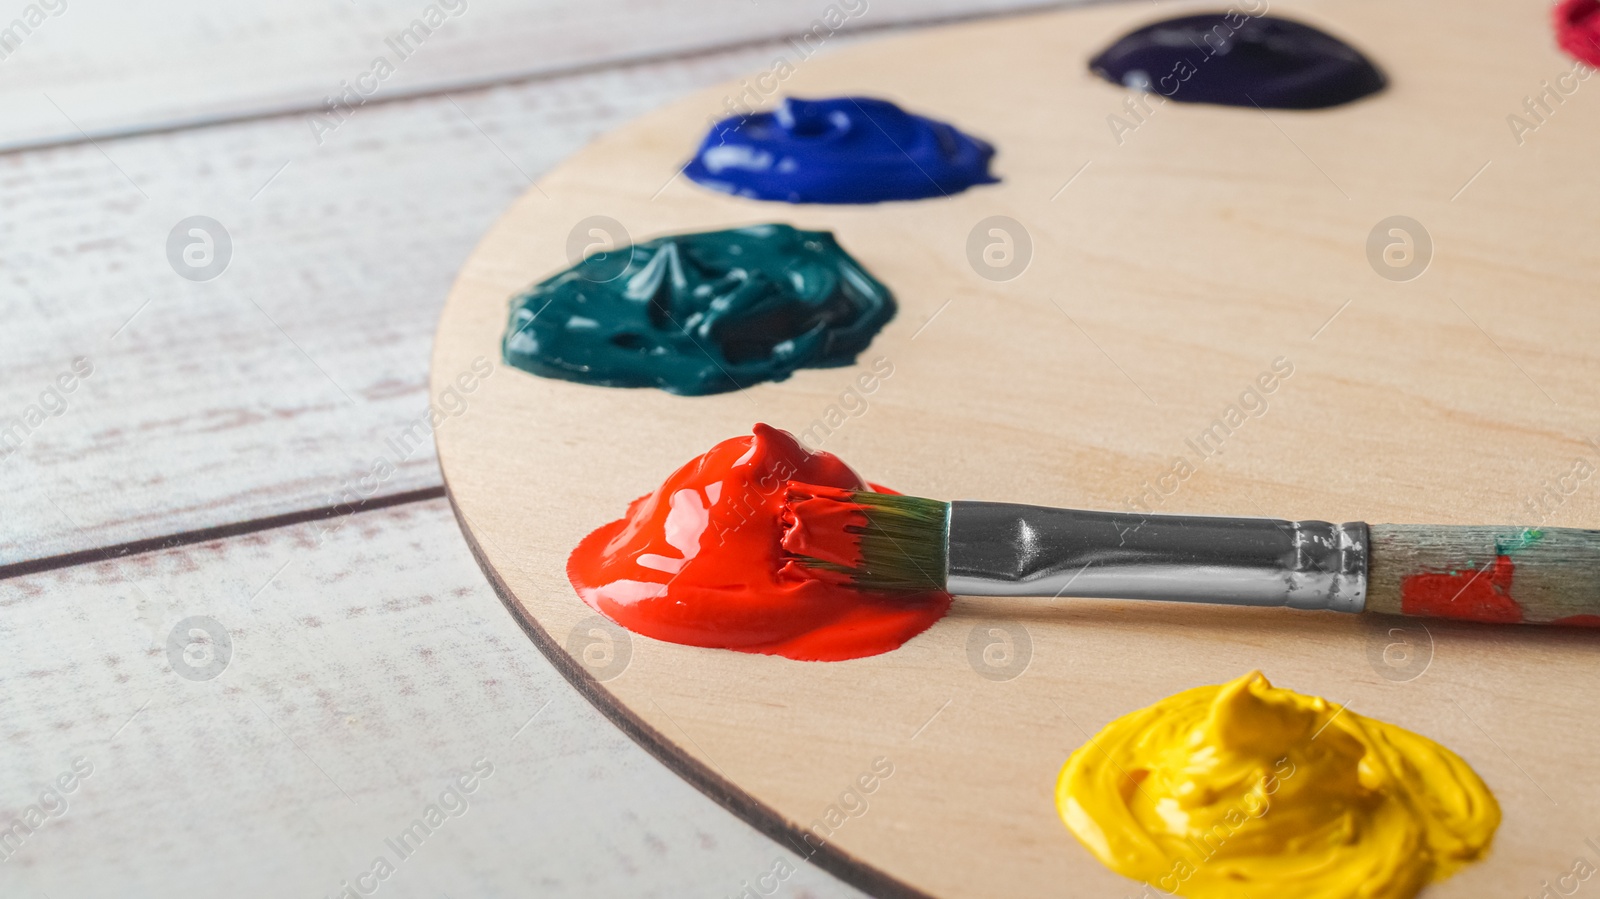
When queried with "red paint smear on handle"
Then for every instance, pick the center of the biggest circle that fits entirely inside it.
(1579, 621)
(1471, 595)
(1578, 29)
(700, 561)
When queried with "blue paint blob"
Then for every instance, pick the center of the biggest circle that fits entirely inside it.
(700, 313)
(841, 150)
(1236, 59)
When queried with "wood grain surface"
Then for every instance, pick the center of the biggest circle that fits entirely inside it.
(107, 67)
(369, 666)
(1177, 267)
(278, 386)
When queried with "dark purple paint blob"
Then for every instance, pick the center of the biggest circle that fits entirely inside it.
(1239, 59)
(839, 150)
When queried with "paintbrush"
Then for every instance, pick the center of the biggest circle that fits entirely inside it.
(890, 543)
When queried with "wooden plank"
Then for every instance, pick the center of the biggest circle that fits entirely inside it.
(1212, 251)
(281, 384)
(369, 665)
(105, 67)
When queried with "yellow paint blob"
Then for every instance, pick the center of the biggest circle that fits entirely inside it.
(1245, 790)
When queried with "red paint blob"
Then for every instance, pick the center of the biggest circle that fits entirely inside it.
(700, 561)
(1578, 29)
(1470, 595)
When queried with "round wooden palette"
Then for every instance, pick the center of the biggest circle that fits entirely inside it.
(1172, 263)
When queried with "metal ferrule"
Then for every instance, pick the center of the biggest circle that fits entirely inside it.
(999, 549)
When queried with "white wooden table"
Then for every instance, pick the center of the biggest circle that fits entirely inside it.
(234, 462)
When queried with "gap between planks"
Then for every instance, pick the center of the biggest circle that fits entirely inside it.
(505, 79)
(216, 532)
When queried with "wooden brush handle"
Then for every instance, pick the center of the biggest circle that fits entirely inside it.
(1503, 575)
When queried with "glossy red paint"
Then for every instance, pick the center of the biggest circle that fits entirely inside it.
(818, 523)
(699, 561)
(1473, 594)
(1578, 29)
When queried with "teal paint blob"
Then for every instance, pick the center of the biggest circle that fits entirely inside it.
(702, 313)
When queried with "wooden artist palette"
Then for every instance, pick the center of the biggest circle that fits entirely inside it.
(1168, 273)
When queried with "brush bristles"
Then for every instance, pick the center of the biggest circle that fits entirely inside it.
(882, 542)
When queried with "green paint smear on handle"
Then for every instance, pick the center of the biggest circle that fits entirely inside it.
(1527, 538)
(700, 313)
